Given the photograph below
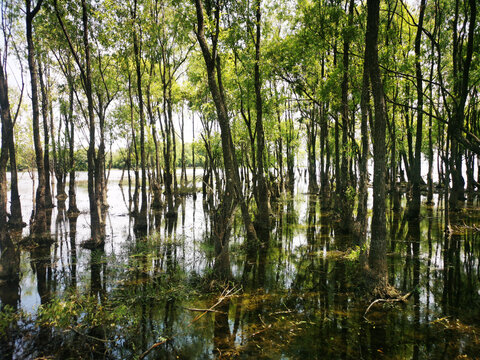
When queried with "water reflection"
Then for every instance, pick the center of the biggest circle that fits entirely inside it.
(297, 291)
(9, 290)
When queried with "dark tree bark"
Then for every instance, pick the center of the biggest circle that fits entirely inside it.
(135, 150)
(167, 147)
(93, 171)
(377, 259)
(363, 166)
(3, 175)
(311, 150)
(8, 151)
(264, 210)
(156, 180)
(70, 129)
(290, 151)
(346, 202)
(414, 206)
(142, 219)
(39, 225)
(233, 190)
(46, 133)
(59, 159)
(194, 180)
(183, 174)
(430, 126)
(93, 183)
(460, 90)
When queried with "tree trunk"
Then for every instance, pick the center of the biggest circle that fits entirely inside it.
(233, 187)
(311, 150)
(377, 259)
(135, 150)
(93, 185)
(346, 202)
(46, 133)
(142, 220)
(455, 125)
(194, 180)
(156, 182)
(264, 210)
(3, 172)
(363, 167)
(8, 143)
(39, 225)
(414, 206)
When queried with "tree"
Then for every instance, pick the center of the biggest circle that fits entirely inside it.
(40, 221)
(377, 259)
(94, 181)
(233, 190)
(8, 122)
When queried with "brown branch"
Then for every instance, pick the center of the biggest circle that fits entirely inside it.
(226, 293)
(89, 336)
(206, 310)
(402, 299)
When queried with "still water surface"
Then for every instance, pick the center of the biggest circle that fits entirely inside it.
(300, 299)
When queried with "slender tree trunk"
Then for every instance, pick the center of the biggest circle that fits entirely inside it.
(101, 177)
(183, 174)
(142, 220)
(346, 203)
(167, 152)
(377, 259)
(8, 143)
(264, 210)
(430, 142)
(46, 133)
(39, 226)
(311, 149)
(233, 187)
(135, 150)
(456, 124)
(93, 195)
(394, 164)
(174, 141)
(58, 157)
(156, 183)
(194, 180)
(414, 206)
(363, 167)
(3, 171)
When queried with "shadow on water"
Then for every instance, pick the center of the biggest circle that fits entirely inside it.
(148, 293)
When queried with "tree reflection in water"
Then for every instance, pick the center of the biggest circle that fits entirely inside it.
(295, 292)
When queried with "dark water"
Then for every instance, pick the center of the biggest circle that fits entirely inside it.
(299, 300)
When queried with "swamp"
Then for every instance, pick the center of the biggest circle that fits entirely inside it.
(253, 179)
(297, 299)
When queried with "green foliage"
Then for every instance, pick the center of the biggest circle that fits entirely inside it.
(8, 316)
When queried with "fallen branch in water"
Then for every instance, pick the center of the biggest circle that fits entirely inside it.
(260, 331)
(226, 293)
(206, 310)
(88, 336)
(460, 229)
(265, 327)
(281, 312)
(402, 299)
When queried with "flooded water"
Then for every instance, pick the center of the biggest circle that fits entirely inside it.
(153, 297)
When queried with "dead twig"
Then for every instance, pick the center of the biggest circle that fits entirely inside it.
(226, 293)
(402, 299)
(88, 336)
(261, 330)
(281, 312)
(206, 310)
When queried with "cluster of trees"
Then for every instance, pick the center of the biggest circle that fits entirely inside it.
(347, 80)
